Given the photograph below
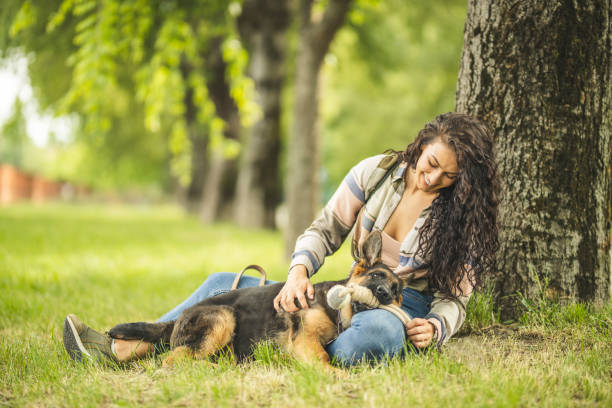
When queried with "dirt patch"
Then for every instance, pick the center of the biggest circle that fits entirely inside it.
(530, 337)
(497, 329)
(496, 342)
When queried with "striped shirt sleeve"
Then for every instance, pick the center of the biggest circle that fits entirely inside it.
(448, 315)
(329, 230)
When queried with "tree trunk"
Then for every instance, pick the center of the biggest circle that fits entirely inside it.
(263, 25)
(539, 73)
(198, 138)
(303, 149)
(220, 185)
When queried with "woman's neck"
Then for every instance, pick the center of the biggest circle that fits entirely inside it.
(410, 179)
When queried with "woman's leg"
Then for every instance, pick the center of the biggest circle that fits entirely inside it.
(377, 333)
(373, 335)
(215, 284)
(126, 350)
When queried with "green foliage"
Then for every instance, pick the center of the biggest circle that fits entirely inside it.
(110, 148)
(165, 46)
(480, 311)
(24, 18)
(542, 312)
(116, 54)
(392, 68)
(550, 313)
(13, 137)
(242, 88)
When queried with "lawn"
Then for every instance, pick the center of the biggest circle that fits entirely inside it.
(110, 264)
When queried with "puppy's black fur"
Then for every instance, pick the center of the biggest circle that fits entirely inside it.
(240, 318)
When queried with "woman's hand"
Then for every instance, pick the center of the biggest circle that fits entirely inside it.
(296, 286)
(420, 332)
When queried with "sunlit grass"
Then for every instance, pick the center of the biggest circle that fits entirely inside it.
(113, 264)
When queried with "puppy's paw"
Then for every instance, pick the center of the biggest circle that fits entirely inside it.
(339, 373)
(179, 353)
(168, 362)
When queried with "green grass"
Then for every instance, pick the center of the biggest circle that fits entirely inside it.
(114, 264)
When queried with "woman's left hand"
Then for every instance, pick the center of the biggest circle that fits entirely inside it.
(420, 332)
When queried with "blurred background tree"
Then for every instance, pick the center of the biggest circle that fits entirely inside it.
(263, 26)
(169, 93)
(14, 137)
(317, 28)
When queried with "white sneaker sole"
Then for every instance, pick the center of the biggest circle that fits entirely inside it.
(72, 341)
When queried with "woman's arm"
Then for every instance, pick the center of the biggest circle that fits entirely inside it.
(329, 230)
(296, 286)
(325, 234)
(448, 315)
(420, 332)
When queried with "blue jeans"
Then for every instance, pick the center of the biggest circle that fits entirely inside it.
(374, 334)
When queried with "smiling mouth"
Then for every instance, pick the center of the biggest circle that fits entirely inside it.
(426, 181)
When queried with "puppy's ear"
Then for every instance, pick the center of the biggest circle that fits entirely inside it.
(358, 269)
(372, 248)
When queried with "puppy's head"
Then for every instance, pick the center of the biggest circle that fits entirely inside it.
(374, 275)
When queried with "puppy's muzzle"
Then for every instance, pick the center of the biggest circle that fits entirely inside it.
(383, 294)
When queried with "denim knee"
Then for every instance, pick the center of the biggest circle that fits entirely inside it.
(381, 329)
(216, 284)
(373, 335)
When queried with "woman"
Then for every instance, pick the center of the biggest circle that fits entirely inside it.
(435, 205)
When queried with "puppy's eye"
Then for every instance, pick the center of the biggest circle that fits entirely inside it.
(378, 275)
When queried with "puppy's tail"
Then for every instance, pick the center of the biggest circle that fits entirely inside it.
(150, 332)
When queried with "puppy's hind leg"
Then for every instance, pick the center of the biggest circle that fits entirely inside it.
(201, 332)
(307, 344)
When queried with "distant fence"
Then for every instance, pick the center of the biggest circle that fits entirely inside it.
(16, 185)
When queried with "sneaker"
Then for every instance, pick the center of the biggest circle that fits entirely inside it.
(81, 341)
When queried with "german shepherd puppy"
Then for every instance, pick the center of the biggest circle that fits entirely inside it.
(241, 318)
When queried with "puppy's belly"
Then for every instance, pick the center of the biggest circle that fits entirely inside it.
(255, 326)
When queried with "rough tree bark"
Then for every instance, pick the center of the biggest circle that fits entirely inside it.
(315, 36)
(263, 26)
(539, 73)
(220, 184)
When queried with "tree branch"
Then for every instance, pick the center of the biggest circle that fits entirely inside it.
(323, 32)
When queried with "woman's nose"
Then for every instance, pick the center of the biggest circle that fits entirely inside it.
(435, 176)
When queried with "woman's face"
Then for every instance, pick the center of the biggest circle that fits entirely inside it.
(436, 168)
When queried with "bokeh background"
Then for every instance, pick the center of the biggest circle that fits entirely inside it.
(120, 101)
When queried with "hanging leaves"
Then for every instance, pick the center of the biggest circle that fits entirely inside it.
(157, 49)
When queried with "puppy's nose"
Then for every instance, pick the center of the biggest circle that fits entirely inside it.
(383, 295)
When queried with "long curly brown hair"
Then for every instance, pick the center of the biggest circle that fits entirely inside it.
(462, 226)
